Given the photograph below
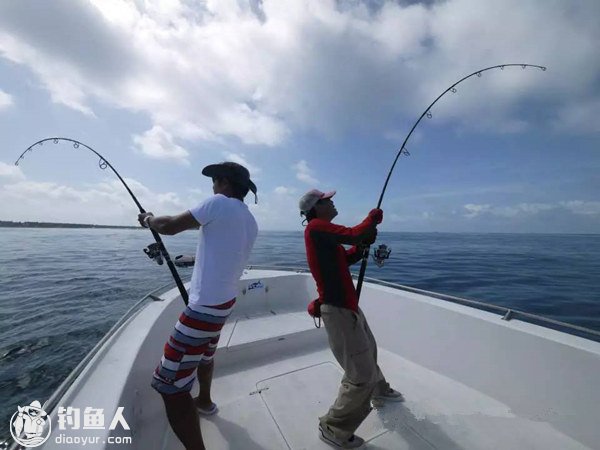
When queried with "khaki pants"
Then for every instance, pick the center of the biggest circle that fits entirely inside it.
(354, 347)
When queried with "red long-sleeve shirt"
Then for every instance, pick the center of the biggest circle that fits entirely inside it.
(328, 260)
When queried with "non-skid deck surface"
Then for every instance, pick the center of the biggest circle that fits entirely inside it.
(277, 405)
(300, 397)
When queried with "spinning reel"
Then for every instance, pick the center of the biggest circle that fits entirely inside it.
(380, 254)
(153, 252)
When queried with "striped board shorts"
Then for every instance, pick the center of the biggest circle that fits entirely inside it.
(193, 342)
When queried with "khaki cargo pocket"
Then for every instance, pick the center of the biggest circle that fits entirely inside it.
(361, 367)
(361, 363)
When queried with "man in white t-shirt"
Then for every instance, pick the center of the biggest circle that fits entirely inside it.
(227, 233)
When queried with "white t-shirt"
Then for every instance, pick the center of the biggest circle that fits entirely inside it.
(227, 233)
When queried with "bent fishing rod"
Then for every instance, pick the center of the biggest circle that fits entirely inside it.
(155, 251)
(382, 252)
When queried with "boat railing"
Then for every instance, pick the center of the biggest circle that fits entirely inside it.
(505, 313)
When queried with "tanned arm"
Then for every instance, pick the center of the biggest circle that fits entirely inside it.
(169, 225)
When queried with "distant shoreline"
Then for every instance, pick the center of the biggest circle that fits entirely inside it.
(10, 224)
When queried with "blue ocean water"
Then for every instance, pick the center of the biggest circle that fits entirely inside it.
(62, 289)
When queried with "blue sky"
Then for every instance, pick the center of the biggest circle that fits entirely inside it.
(305, 94)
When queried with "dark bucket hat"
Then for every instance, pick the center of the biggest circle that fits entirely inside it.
(234, 172)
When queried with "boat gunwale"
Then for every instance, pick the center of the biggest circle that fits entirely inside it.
(50, 404)
(507, 313)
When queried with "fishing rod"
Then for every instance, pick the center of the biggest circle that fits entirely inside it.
(155, 251)
(383, 252)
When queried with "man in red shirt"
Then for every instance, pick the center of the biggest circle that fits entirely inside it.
(350, 337)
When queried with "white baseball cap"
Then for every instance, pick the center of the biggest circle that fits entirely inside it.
(310, 199)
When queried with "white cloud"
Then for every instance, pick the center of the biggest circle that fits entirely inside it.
(106, 202)
(474, 210)
(158, 144)
(580, 117)
(520, 209)
(259, 71)
(304, 173)
(277, 210)
(587, 208)
(534, 208)
(581, 207)
(448, 191)
(240, 158)
(196, 191)
(66, 89)
(10, 172)
(282, 190)
(50, 191)
(5, 100)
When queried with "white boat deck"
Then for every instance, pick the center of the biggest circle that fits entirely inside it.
(471, 380)
(276, 405)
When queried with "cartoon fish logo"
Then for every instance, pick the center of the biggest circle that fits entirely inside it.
(28, 424)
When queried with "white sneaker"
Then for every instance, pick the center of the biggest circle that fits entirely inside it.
(327, 436)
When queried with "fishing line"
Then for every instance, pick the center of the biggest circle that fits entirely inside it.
(155, 251)
(382, 252)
